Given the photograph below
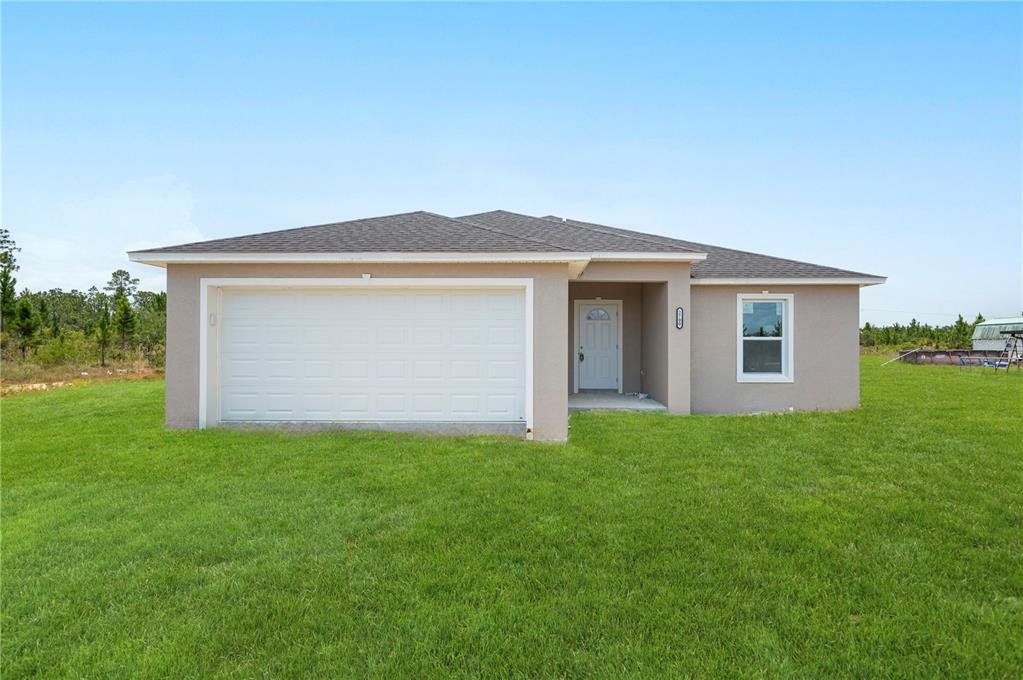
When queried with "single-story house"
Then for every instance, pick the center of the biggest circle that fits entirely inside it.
(491, 322)
(988, 335)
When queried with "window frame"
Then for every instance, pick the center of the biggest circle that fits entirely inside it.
(787, 340)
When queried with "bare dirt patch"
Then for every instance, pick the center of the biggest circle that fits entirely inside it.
(70, 378)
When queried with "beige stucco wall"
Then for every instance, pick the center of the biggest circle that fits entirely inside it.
(550, 337)
(826, 352)
(664, 350)
(631, 295)
(654, 342)
(656, 355)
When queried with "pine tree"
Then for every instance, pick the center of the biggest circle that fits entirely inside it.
(121, 285)
(7, 306)
(94, 302)
(8, 265)
(103, 334)
(125, 320)
(960, 333)
(44, 312)
(26, 326)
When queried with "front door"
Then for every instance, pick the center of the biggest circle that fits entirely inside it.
(598, 346)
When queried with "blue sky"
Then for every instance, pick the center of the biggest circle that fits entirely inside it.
(876, 137)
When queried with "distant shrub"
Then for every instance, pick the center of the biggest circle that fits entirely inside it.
(156, 356)
(69, 347)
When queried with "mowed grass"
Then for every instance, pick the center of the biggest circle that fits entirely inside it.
(886, 541)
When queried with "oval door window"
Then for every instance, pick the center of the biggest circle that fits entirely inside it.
(597, 315)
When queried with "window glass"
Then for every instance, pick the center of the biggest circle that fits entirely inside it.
(597, 315)
(761, 356)
(763, 344)
(762, 319)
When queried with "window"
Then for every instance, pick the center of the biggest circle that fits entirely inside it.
(764, 338)
(597, 315)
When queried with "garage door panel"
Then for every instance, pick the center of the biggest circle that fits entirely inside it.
(392, 369)
(498, 305)
(462, 337)
(466, 404)
(281, 404)
(465, 305)
(465, 369)
(320, 336)
(242, 404)
(391, 306)
(242, 370)
(241, 336)
(391, 405)
(430, 337)
(501, 406)
(353, 334)
(428, 369)
(318, 370)
(503, 371)
(353, 369)
(426, 306)
(404, 355)
(318, 403)
(503, 337)
(428, 404)
(353, 404)
(391, 335)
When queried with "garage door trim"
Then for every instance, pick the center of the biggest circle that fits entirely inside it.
(209, 315)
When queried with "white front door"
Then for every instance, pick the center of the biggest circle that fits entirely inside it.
(598, 346)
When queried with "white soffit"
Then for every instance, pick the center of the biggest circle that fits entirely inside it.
(794, 281)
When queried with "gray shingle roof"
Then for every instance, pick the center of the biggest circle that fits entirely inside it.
(501, 231)
(730, 263)
(577, 236)
(413, 232)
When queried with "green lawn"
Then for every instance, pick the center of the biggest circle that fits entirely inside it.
(882, 542)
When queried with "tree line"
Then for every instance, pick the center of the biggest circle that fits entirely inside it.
(956, 335)
(55, 326)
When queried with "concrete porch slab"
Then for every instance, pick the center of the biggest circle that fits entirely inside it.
(607, 400)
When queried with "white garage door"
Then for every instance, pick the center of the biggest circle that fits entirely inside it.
(392, 355)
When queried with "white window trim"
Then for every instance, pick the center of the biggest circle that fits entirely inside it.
(210, 299)
(788, 340)
(617, 304)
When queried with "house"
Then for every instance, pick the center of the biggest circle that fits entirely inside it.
(489, 322)
(987, 335)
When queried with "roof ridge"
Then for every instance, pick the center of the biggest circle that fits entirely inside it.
(589, 226)
(504, 233)
(625, 233)
(358, 219)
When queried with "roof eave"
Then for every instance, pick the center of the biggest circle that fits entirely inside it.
(861, 281)
(666, 256)
(162, 259)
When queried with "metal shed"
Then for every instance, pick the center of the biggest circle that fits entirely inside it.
(988, 335)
